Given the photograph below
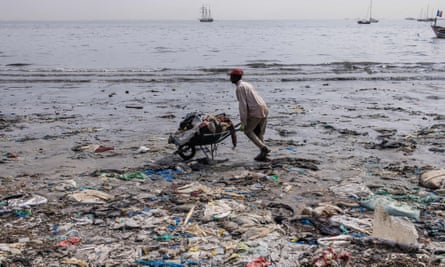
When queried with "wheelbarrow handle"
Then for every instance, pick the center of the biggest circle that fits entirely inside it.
(237, 126)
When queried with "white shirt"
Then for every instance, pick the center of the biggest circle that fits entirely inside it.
(251, 104)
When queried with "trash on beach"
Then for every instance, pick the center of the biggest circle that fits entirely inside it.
(91, 196)
(9, 156)
(397, 229)
(159, 263)
(76, 262)
(23, 201)
(93, 148)
(393, 207)
(351, 189)
(142, 149)
(200, 130)
(101, 149)
(406, 145)
(12, 248)
(363, 225)
(433, 179)
(335, 241)
(259, 262)
(194, 187)
(331, 258)
(69, 241)
(144, 220)
(168, 174)
(326, 209)
(133, 175)
(216, 210)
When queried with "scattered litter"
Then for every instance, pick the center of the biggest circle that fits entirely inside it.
(393, 228)
(93, 148)
(142, 149)
(91, 196)
(70, 241)
(393, 207)
(22, 201)
(433, 179)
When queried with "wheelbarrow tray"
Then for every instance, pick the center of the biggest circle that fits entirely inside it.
(188, 150)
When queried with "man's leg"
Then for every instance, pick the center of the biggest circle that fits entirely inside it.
(260, 130)
(254, 130)
(253, 126)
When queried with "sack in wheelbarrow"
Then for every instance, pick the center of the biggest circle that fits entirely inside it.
(199, 129)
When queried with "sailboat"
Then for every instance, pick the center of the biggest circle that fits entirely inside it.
(371, 19)
(425, 18)
(206, 15)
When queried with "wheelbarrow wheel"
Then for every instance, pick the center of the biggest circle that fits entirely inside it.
(186, 151)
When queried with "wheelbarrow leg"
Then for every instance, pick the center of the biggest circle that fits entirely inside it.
(207, 151)
(213, 150)
(204, 150)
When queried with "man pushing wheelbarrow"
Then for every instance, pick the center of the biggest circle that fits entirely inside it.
(209, 131)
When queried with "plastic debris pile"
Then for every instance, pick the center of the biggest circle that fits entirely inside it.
(238, 216)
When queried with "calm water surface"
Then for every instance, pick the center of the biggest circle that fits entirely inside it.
(150, 51)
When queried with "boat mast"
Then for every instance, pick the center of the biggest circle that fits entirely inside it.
(204, 12)
(370, 11)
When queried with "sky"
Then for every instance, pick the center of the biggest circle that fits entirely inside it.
(221, 9)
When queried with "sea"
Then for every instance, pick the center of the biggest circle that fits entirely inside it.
(191, 51)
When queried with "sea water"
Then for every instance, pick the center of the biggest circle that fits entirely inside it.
(163, 51)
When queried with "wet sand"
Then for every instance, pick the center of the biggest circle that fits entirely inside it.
(328, 122)
(379, 134)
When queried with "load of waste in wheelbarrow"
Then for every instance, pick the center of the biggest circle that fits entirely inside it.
(198, 129)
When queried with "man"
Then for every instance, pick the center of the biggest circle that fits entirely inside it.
(253, 112)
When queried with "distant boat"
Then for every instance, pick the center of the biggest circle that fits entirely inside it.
(370, 19)
(438, 30)
(424, 17)
(364, 21)
(206, 15)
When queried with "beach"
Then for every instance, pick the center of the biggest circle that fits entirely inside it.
(88, 176)
(378, 135)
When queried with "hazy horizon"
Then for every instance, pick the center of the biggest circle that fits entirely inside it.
(68, 10)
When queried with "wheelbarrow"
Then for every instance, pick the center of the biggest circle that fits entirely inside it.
(207, 141)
